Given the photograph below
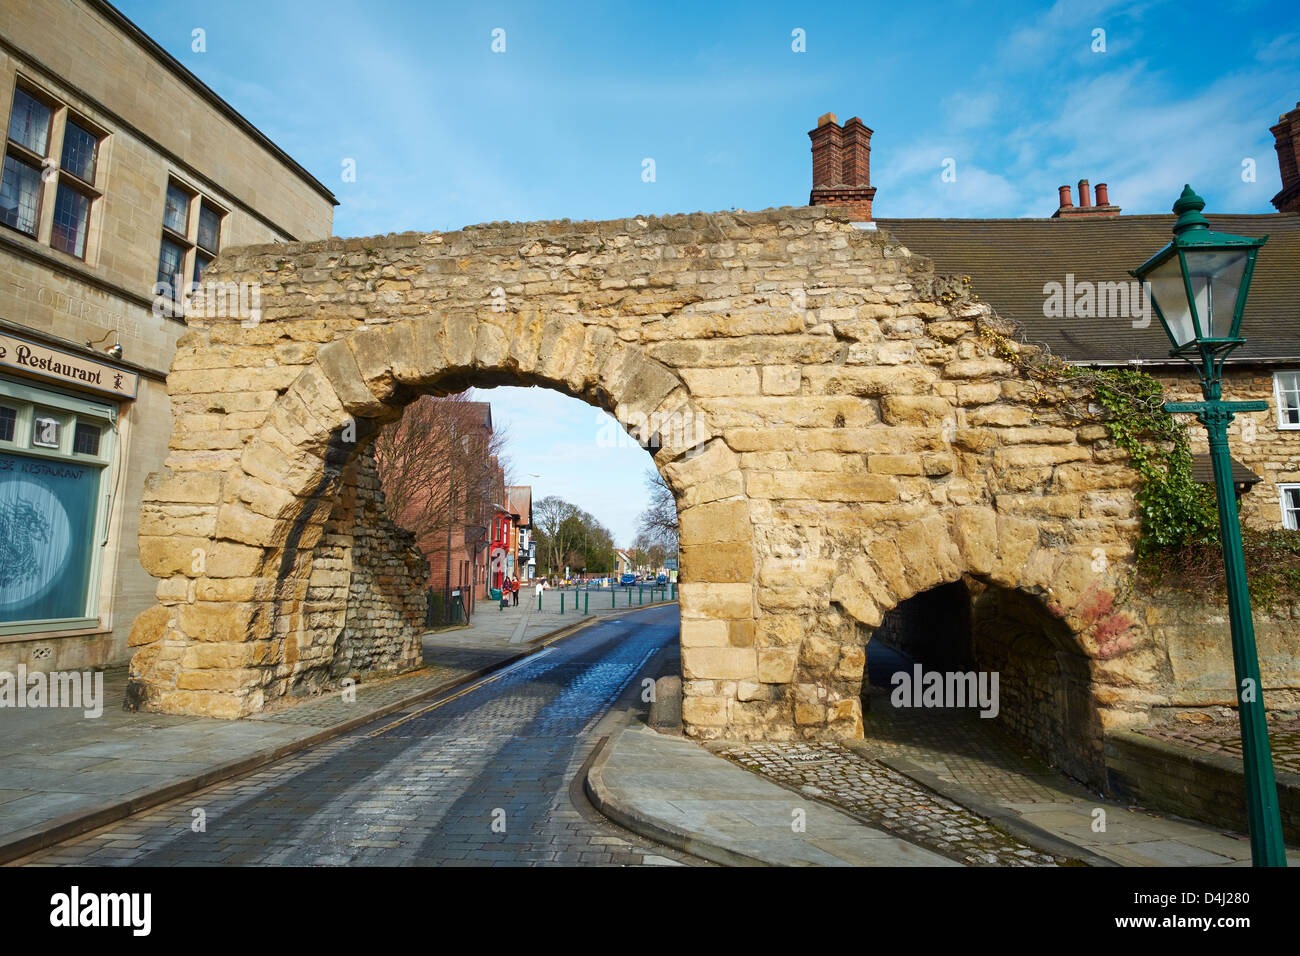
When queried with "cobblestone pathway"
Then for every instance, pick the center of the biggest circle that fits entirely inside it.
(889, 800)
(476, 777)
(1222, 735)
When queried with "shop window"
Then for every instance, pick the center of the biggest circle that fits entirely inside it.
(54, 479)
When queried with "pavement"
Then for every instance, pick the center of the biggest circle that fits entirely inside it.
(62, 774)
(674, 791)
(494, 626)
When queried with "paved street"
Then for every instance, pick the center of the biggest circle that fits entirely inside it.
(478, 776)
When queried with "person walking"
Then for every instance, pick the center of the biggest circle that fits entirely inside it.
(514, 591)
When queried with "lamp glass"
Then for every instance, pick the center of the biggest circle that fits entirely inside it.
(1215, 276)
(1170, 296)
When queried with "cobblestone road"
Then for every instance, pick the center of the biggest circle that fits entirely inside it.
(477, 777)
(889, 800)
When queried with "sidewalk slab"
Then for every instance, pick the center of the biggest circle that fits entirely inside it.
(672, 790)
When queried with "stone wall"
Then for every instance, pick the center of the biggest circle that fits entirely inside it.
(387, 599)
(837, 423)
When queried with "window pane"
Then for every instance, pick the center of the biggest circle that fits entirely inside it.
(1288, 393)
(71, 217)
(20, 195)
(79, 149)
(8, 416)
(171, 267)
(47, 519)
(29, 123)
(209, 228)
(176, 214)
(200, 263)
(85, 440)
(1291, 508)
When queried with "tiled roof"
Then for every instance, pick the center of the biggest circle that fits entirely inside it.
(1011, 260)
(1203, 472)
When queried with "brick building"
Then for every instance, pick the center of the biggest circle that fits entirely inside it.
(1064, 278)
(123, 176)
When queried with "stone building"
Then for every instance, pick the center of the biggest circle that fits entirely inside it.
(1064, 280)
(122, 172)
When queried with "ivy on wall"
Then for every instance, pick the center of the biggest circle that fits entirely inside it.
(1178, 545)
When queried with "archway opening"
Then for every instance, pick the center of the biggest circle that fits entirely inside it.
(977, 670)
(441, 521)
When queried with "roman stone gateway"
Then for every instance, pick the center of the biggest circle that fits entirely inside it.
(838, 425)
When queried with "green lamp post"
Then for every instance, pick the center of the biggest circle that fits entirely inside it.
(1198, 285)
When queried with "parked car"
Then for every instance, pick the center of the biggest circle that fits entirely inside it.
(662, 579)
(628, 579)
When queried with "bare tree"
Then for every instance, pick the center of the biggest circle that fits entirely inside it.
(556, 531)
(658, 522)
(441, 465)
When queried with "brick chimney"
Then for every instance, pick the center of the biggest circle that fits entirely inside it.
(1066, 209)
(842, 167)
(1287, 136)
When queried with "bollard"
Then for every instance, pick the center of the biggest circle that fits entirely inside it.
(561, 602)
(586, 603)
(539, 600)
(613, 599)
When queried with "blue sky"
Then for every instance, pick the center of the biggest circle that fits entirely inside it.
(444, 132)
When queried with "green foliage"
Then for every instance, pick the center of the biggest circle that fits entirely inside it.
(1175, 510)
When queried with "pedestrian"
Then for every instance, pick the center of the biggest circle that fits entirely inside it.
(514, 591)
(541, 586)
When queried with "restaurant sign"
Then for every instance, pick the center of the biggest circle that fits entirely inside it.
(44, 362)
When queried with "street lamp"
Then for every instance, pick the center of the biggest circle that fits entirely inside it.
(1198, 285)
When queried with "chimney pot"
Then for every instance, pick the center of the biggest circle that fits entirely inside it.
(1085, 199)
(842, 167)
(1065, 201)
(1103, 197)
(1287, 142)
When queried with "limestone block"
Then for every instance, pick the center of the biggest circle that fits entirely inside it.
(733, 601)
(776, 664)
(723, 562)
(705, 711)
(976, 533)
(781, 379)
(715, 522)
(718, 663)
(914, 410)
(822, 486)
(721, 381)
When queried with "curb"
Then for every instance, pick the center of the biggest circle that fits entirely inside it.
(28, 841)
(1007, 820)
(630, 819)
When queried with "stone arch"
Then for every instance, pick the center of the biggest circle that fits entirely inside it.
(237, 635)
(844, 429)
